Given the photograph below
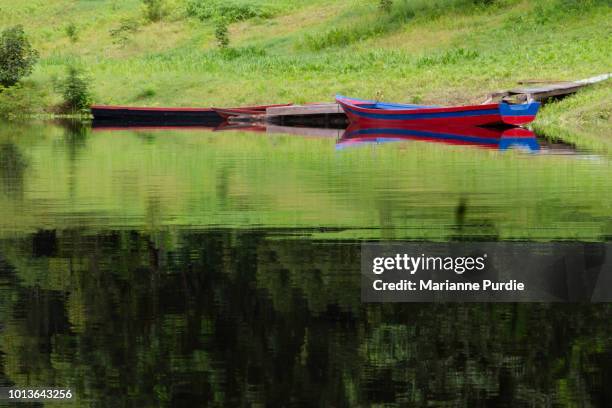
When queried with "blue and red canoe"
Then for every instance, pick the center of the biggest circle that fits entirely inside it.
(491, 138)
(373, 112)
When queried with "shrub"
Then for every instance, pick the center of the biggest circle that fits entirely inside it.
(120, 35)
(222, 33)
(385, 5)
(75, 91)
(71, 32)
(154, 10)
(17, 57)
(146, 93)
(230, 11)
(25, 98)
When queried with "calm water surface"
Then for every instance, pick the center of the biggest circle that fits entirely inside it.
(193, 268)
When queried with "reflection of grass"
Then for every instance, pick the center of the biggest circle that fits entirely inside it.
(408, 190)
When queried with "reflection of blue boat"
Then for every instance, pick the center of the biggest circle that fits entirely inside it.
(501, 139)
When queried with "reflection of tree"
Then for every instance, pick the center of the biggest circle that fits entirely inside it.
(477, 229)
(222, 186)
(75, 139)
(146, 137)
(12, 169)
(385, 215)
(234, 318)
(75, 136)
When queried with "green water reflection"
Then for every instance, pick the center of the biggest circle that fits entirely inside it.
(54, 177)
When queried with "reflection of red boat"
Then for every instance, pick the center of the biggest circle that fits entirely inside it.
(147, 127)
(379, 113)
(170, 116)
(138, 127)
(492, 138)
(247, 110)
(239, 127)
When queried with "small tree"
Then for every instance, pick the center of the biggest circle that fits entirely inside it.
(75, 91)
(17, 57)
(385, 5)
(222, 34)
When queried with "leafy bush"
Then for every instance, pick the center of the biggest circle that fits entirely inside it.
(154, 10)
(222, 34)
(146, 93)
(75, 91)
(17, 57)
(385, 5)
(72, 32)
(120, 35)
(230, 11)
(24, 98)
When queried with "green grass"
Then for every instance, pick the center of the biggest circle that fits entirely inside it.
(443, 51)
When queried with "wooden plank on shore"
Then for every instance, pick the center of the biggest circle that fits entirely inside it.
(546, 89)
(595, 79)
(541, 93)
(541, 81)
(300, 110)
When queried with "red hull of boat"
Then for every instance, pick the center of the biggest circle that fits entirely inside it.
(371, 113)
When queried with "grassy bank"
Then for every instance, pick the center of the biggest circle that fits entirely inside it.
(584, 120)
(443, 51)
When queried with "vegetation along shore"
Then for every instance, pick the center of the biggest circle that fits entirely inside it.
(217, 52)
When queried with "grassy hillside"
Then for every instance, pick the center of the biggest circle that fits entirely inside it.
(441, 51)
